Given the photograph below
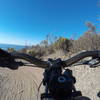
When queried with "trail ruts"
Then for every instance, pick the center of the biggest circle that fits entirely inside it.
(20, 84)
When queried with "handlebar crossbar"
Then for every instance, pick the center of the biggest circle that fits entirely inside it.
(68, 62)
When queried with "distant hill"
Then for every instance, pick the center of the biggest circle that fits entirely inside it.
(6, 46)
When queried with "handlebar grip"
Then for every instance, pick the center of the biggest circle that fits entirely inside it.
(33, 60)
(80, 56)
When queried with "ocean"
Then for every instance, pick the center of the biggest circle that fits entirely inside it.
(6, 46)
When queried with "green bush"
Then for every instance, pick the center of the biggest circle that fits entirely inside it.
(11, 50)
(63, 44)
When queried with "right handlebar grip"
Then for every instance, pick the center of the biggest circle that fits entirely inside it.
(80, 56)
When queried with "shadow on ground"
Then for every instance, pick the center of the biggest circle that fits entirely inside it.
(13, 66)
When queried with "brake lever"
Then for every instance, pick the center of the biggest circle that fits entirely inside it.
(94, 63)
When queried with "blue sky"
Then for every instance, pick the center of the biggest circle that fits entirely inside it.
(29, 21)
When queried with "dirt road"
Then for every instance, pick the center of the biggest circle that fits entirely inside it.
(20, 84)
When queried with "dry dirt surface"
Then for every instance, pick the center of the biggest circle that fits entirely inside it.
(22, 84)
(88, 80)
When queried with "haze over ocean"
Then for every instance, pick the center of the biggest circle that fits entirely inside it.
(6, 46)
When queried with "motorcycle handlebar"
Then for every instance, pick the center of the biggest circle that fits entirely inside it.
(33, 60)
(80, 56)
(68, 62)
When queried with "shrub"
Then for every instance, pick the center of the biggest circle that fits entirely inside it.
(63, 44)
(89, 41)
(11, 50)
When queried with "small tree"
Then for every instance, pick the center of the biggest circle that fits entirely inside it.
(63, 44)
(91, 27)
(10, 49)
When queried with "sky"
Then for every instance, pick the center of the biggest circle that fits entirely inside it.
(29, 21)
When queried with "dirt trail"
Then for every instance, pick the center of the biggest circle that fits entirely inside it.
(20, 84)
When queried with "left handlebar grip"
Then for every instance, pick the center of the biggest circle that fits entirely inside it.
(33, 60)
